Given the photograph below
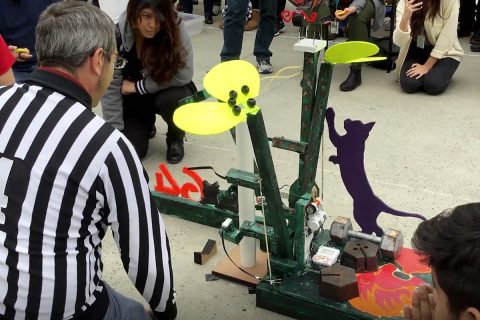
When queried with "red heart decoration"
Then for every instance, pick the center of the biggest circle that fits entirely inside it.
(310, 19)
(287, 15)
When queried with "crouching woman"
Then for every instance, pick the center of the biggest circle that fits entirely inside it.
(430, 53)
(156, 73)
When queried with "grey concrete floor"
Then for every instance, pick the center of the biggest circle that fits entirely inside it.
(422, 156)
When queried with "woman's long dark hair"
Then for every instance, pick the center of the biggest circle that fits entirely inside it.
(430, 9)
(164, 54)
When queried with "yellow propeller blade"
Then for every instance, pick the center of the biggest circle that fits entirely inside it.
(368, 59)
(350, 51)
(235, 75)
(204, 118)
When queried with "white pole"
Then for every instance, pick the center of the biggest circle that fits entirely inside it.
(246, 197)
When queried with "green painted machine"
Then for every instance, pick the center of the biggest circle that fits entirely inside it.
(292, 289)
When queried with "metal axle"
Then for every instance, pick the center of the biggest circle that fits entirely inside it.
(361, 235)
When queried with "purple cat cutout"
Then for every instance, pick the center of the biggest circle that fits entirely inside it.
(350, 154)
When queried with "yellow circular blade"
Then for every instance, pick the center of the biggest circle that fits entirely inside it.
(367, 59)
(232, 75)
(205, 118)
(351, 50)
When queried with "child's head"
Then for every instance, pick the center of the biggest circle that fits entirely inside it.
(450, 244)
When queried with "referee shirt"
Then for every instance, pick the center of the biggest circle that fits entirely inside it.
(65, 176)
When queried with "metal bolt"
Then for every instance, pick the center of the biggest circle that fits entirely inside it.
(237, 110)
(251, 103)
(245, 89)
(233, 94)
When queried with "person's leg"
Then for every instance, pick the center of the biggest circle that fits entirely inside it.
(233, 29)
(265, 32)
(466, 18)
(138, 118)
(187, 6)
(438, 78)
(476, 26)
(279, 24)
(254, 18)
(166, 102)
(408, 84)
(208, 11)
(475, 39)
(358, 25)
(414, 55)
(217, 7)
(123, 308)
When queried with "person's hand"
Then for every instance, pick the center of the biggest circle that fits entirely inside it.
(128, 87)
(20, 54)
(417, 70)
(343, 14)
(411, 7)
(422, 306)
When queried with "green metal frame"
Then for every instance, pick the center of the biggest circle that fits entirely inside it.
(288, 238)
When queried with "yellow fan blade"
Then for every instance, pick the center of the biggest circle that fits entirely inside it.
(206, 118)
(368, 59)
(232, 75)
(346, 52)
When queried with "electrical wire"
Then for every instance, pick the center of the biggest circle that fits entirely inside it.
(278, 76)
(236, 265)
(265, 230)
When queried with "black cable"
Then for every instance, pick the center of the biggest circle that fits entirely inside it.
(243, 270)
(207, 167)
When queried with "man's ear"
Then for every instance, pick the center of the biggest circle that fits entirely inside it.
(98, 61)
(474, 313)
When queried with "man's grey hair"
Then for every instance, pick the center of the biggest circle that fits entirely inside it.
(70, 31)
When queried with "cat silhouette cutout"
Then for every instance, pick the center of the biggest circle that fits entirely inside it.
(350, 158)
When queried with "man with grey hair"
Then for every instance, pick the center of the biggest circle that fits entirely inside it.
(65, 176)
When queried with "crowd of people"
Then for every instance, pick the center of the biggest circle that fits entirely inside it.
(68, 174)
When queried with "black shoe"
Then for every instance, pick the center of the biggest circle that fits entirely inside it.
(353, 80)
(475, 38)
(475, 47)
(208, 20)
(175, 150)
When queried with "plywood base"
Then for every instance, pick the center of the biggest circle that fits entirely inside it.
(226, 269)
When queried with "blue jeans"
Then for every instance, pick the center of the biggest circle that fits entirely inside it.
(123, 308)
(234, 27)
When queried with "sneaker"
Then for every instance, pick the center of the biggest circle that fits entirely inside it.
(175, 150)
(216, 10)
(264, 67)
(279, 28)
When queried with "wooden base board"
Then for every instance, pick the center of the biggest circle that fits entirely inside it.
(226, 269)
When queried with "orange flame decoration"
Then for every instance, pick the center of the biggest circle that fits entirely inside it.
(172, 187)
(384, 294)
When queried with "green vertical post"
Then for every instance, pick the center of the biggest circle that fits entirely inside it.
(300, 255)
(307, 179)
(263, 156)
(309, 82)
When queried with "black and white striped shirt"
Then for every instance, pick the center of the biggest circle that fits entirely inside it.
(65, 175)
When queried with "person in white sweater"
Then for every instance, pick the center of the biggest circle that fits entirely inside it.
(430, 53)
